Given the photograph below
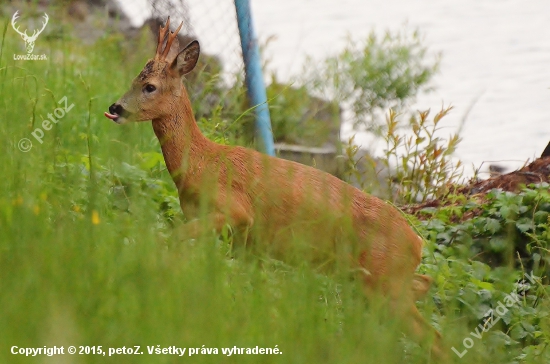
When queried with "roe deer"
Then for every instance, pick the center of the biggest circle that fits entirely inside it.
(274, 198)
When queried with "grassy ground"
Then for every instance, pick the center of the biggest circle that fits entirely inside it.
(88, 257)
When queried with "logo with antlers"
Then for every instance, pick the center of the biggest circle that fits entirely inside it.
(29, 39)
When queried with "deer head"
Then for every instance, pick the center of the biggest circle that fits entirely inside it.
(158, 87)
(29, 39)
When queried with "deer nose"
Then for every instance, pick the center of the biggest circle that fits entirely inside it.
(116, 109)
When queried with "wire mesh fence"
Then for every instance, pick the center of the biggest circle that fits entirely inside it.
(212, 22)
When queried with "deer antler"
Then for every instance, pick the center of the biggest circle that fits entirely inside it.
(24, 34)
(37, 32)
(13, 19)
(171, 38)
(166, 35)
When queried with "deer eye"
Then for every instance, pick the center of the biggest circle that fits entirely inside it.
(149, 88)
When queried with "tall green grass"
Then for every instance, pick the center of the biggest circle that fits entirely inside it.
(89, 253)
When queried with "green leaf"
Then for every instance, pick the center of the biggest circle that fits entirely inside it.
(528, 327)
(541, 217)
(492, 225)
(483, 285)
(498, 244)
(518, 332)
(509, 212)
(524, 224)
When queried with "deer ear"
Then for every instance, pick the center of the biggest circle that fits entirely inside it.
(187, 59)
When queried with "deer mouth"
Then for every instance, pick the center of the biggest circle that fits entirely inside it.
(113, 117)
(119, 119)
(117, 114)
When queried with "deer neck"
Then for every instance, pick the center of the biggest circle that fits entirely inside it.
(181, 140)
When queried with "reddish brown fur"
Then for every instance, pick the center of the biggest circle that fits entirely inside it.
(278, 198)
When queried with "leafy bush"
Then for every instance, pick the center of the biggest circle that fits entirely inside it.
(483, 249)
(299, 118)
(374, 75)
(419, 165)
(503, 229)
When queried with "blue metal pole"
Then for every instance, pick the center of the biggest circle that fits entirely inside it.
(253, 75)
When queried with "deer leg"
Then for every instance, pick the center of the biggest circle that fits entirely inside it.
(422, 332)
(417, 328)
(402, 297)
(420, 286)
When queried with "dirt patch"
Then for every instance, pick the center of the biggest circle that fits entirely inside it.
(537, 171)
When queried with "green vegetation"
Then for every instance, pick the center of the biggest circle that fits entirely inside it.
(299, 118)
(89, 254)
(482, 249)
(420, 163)
(374, 75)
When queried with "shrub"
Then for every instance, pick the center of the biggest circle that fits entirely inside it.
(374, 75)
